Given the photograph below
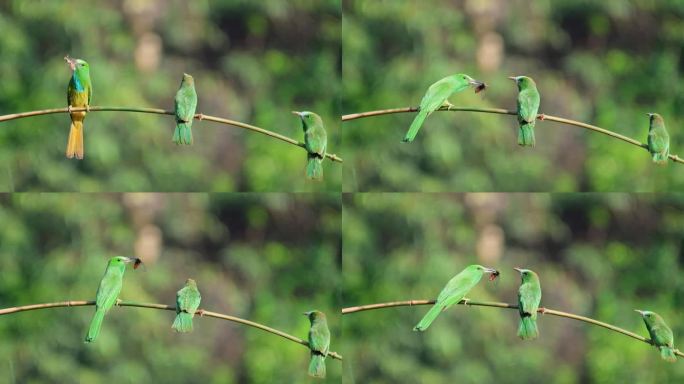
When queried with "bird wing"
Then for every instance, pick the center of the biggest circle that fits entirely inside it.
(188, 299)
(89, 89)
(315, 140)
(319, 338)
(529, 296)
(436, 95)
(657, 141)
(109, 289)
(662, 335)
(185, 103)
(458, 287)
(528, 104)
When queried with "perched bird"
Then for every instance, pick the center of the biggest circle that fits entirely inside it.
(319, 343)
(661, 334)
(454, 292)
(185, 105)
(79, 94)
(187, 301)
(529, 296)
(107, 293)
(315, 141)
(528, 106)
(658, 139)
(437, 95)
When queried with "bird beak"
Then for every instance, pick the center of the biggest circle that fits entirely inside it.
(518, 269)
(300, 114)
(476, 83)
(306, 313)
(513, 78)
(129, 259)
(490, 270)
(71, 62)
(649, 114)
(640, 311)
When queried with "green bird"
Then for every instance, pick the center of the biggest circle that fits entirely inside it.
(528, 106)
(184, 107)
(79, 94)
(107, 293)
(658, 139)
(529, 296)
(187, 301)
(315, 142)
(319, 342)
(661, 334)
(437, 95)
(454, 292)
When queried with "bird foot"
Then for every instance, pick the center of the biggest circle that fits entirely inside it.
(466, 301)
(541, 117)
(200, 312)
(200, 117)
(542, 310)
(446, 104)
(69, 108)
(87, 107)
(118, 302)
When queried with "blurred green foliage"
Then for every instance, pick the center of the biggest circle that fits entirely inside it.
(266, 258)
(252, 62)
(600, 256)
(602, 62)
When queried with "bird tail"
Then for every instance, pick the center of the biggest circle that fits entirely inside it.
(314, 166)
(429, 317)
(668, 354)
(660, 157)
(183, 133)
(317, 365)
(183, 322)
(415, 126)
(75, 142)
(95, 325)
(528, 328)
(526, 135)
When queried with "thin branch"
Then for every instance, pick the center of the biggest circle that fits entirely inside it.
(200, 312)
(157, 111)
(543, 311)
(502, 111)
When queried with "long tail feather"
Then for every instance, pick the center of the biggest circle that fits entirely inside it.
(182, 134)
(429, 317)
(95, 325)
(415, 126)
(660, 158)
(183, 322)
(668, 354)
(526, 135)
(317, 365)
(527, 330)
(75, 142)
(314, 167)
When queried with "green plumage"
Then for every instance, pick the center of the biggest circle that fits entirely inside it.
(315, 142)
(436, 96)
(184, 107)
(188, 300)
(661, 335)
(453, 292)
(529, 297)
(658, 139)
(319, 343)
(107, 293)
(527, 108)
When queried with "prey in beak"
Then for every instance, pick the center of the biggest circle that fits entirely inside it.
(71, 62)
(493, 273)
(137, 262)
(479, 86)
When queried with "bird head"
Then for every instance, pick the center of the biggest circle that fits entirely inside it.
(188, 79)
(644, 314)
(308, 118)
(121, 260)
(76, 64)
(191, 282)
(526, 274)
(315, 315)
(655, 117)
(522, 81)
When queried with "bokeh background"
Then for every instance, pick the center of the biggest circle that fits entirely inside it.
(601, 62)
(266, 258)
(600, 256)
(253, 62)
